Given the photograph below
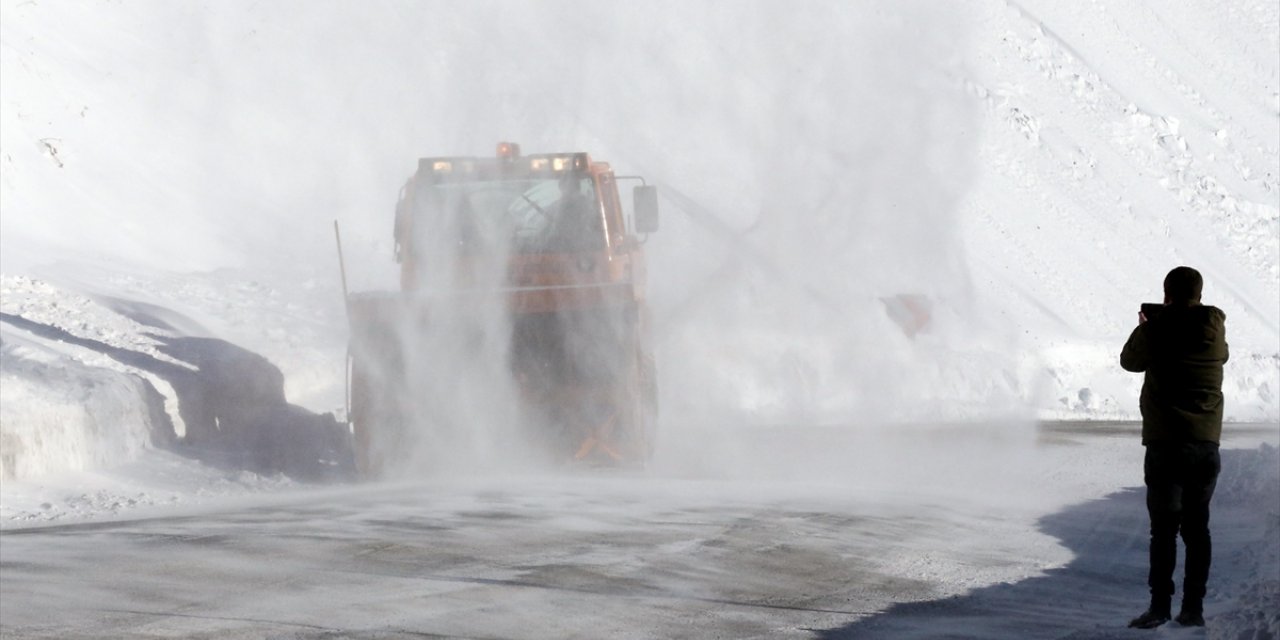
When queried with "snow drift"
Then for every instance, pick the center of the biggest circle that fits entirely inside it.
(1032, 168)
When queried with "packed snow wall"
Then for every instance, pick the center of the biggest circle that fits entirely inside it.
(58, 414)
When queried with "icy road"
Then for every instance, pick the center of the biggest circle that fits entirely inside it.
(596, 554)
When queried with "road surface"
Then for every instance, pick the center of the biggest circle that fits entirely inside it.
(602, 554)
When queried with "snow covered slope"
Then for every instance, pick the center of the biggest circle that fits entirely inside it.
(1121, 140)
(1034, 168)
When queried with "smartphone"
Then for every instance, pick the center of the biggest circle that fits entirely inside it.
(1151, 309)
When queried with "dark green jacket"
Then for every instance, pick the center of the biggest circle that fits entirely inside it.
(1182, 351)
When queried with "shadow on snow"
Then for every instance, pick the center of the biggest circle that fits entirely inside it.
(1100, 590)
(232, 405)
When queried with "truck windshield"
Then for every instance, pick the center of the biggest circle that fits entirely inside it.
(526, 215)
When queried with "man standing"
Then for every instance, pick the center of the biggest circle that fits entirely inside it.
(1181, 349)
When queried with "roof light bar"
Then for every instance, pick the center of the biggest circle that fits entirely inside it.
(508, 159)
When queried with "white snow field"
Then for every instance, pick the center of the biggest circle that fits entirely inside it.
(172, 337)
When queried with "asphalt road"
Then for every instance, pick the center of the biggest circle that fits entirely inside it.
(390, 562)
(587, 554)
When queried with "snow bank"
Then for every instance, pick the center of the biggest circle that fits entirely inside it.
(293, 316)
(92, 381)
(68, 404)
(59, 414)
(1084, 381)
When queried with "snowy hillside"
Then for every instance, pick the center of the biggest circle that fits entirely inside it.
(172, 170)
(1121, 140)
(173, 337)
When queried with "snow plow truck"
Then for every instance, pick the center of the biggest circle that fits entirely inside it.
(542, 247)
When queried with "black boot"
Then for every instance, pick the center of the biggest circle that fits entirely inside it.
(1155, 615)
(1192, 614)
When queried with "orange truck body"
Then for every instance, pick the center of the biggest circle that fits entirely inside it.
(545, 240)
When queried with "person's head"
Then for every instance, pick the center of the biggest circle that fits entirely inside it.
(1183, 286)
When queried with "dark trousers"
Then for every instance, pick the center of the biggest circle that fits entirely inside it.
(1180, 480)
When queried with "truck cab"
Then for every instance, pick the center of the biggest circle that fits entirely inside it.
(545, 240)
(552, 220)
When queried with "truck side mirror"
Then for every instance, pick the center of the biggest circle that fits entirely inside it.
(646, 208)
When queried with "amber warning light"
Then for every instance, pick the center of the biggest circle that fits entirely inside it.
(508, 150)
